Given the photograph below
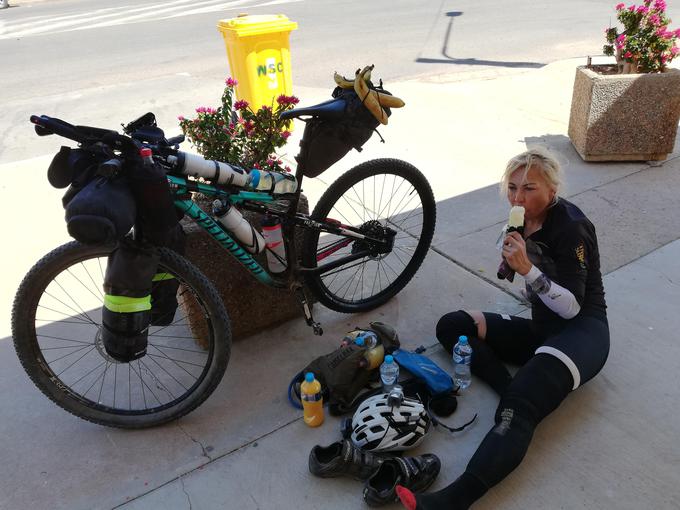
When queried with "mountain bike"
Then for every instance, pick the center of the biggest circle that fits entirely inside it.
(363, 242)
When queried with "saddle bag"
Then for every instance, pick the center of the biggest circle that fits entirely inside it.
(326, 141)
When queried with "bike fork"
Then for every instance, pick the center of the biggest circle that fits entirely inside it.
(307, 309)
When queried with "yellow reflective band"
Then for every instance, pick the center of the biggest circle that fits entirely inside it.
(124, 304)
(162, 276)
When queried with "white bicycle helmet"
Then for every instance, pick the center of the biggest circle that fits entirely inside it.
(379, 427)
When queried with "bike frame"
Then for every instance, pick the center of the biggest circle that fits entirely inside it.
(257, 200)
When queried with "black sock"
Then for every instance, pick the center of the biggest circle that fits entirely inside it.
(488, 367)
(458, 496)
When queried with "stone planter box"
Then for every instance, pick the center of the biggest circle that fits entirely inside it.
(252, 306)
(624, 117)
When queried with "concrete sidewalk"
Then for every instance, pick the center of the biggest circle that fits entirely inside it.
(612, 444)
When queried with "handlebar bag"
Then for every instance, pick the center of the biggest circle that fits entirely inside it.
(326, 141)
(102, 212)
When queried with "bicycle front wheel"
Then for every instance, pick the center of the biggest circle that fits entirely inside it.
(56, 326)
(382, 198)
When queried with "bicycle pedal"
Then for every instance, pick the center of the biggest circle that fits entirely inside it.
(318, 330)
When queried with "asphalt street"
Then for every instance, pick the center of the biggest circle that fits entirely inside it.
(97, 63)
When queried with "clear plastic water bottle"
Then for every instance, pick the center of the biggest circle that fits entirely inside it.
(370, 339)
(274, 182)
(389, 373)
(462, 356)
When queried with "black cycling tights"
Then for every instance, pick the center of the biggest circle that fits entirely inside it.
(537, 389)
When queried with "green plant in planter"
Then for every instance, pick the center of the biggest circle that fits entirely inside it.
(235, 134)
(646, 44)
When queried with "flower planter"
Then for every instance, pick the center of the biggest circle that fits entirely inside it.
(252, 307)
(624, 117)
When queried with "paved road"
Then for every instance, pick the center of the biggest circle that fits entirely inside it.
(85, 58)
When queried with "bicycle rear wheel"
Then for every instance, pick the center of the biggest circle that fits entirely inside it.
(56, 326)
(380, 198)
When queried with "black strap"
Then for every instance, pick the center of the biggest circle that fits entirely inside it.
(217, 171)
(438, 423)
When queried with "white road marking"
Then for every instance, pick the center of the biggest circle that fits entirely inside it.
(42, 25)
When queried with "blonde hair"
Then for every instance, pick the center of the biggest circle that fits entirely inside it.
(540, 159)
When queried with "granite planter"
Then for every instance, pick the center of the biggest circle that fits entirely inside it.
(624, 117)
(252, 306)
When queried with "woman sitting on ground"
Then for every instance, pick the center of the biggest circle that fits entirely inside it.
(563, 345)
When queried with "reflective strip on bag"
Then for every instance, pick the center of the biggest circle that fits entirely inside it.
(159, 277)
(124, 304)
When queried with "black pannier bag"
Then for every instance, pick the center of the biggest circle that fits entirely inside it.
(326, 141)
(126, 313)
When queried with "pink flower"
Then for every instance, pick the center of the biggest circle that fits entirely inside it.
(241, 105)
(675, 50)
(660, 5)
(654, 19)
(180, 118)
(210, 110)
(664, 58)
(201, 109)
(620, 41)
(643, 9)
(285, 135)
(676, 33)
(287, 168)
(628, 54)
(286, 100)
(231, 82)
(619, 6)
(631, 8)
(266, 108)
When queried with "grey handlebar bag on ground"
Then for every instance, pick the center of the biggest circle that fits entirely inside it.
(340, 374)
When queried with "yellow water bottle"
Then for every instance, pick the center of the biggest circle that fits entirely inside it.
(312, 400)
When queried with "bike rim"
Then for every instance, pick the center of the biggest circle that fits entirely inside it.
(67, 327)
(378, 201)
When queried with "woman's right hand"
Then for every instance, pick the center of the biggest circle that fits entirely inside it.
(515, 253)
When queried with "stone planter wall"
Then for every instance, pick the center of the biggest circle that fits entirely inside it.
(251, 305)
(624, 117)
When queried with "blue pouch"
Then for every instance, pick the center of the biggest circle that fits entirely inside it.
(437, 380)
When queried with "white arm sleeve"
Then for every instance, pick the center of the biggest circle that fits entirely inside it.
(557, 298)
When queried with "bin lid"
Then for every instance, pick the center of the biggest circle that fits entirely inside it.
(256, 24)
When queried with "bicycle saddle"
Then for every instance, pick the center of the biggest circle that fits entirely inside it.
(331, 110)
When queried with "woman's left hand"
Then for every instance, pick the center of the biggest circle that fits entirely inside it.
(515, 253)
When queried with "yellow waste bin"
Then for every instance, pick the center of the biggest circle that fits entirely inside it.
(259, 56)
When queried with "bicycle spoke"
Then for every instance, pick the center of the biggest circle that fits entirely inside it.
(86, 319)
(76, 361)
(96, 380)
(94, 284)
(175, 361)
(169, 374)
(157, 381)
(101, 387)
(180, 349)
(64, 339)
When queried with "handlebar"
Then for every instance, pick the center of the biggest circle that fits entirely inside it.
(45, 125)
(140, 134)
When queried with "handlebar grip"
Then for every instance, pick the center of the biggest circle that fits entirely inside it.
(45, 125)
